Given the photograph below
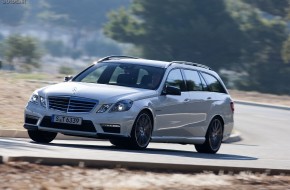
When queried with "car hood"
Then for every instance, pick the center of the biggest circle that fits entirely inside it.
(101, 92)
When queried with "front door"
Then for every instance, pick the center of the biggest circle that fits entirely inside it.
(173, 111)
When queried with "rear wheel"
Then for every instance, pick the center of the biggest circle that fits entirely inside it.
(41, 136)
(213, 139)
(142, 131)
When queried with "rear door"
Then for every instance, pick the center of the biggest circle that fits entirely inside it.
(200, 102)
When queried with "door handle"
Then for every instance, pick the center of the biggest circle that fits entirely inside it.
(209, 98)
(186, 100)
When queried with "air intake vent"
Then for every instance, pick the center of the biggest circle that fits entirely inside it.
(29, 119)
(71, 104)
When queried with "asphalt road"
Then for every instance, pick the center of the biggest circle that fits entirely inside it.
(265, 144)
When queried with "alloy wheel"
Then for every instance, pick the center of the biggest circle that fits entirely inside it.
(143, 129)
(216, 134)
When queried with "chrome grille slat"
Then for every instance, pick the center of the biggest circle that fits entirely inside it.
(84, 103)
(54, 101)
(59, 100)
(58, 107)
(58, 104)
(78, 109)
(71, 104)
(84, 107)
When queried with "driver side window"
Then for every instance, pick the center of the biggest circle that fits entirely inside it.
(175, 79)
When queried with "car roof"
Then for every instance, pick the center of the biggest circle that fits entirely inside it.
(147, 62)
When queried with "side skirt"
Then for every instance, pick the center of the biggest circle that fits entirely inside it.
(181, 140)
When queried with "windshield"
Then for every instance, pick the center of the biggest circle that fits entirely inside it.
(122, 74)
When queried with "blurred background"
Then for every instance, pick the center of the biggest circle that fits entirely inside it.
(246, 41)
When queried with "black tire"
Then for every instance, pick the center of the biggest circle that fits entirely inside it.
(41, 136)
(142, 131)
(120, 143)
(213, 139)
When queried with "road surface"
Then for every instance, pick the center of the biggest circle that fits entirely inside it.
(265, 144)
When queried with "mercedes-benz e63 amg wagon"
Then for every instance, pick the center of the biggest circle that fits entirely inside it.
(132, 101)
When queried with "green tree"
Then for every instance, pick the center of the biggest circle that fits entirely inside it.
(56, 48)
(230, 34)
(286, 51)
(170, 30)
(80, 17)
(22, 51)
(265, 40)
(65, 70)
(272, 7)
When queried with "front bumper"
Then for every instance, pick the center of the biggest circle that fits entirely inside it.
(96, 125)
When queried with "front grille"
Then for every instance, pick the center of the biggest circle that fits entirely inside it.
(71, 103)
(86, 126)
(58, 103)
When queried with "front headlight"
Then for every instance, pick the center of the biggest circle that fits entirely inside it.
(123, 105)
(34, 98)
(43, 101)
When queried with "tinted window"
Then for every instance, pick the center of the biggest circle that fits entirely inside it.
(175, 79)
(118, 71)
(213, 84)
(193, 81)
(94, 75)
(122, 74)
(204, 85)
(142, 74)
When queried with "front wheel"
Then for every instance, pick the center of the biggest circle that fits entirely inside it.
(142, 131)
(213, 139)
(42, 136)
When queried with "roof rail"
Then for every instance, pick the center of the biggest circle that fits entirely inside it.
(193, 64)
(116, 57)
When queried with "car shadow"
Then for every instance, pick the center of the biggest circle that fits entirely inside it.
(155, 151)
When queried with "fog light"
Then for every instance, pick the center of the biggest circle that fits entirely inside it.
(109, 125)
(111, 128)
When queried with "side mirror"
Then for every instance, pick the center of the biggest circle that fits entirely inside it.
(170, 90)
(67, 78)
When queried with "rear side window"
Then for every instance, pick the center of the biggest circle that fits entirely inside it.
(204, 85)
(213, 83)
(193, 81)
(175, 79)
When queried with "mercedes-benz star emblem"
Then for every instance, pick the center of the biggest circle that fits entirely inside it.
(74, 90)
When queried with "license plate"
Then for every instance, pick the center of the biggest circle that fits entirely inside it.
(67, 120)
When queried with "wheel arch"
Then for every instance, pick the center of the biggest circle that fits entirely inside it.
(150, 113)
(133, 137)
(147, 110)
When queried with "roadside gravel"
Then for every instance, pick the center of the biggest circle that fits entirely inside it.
(21, 175)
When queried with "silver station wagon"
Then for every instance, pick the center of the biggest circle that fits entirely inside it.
(132, 101)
